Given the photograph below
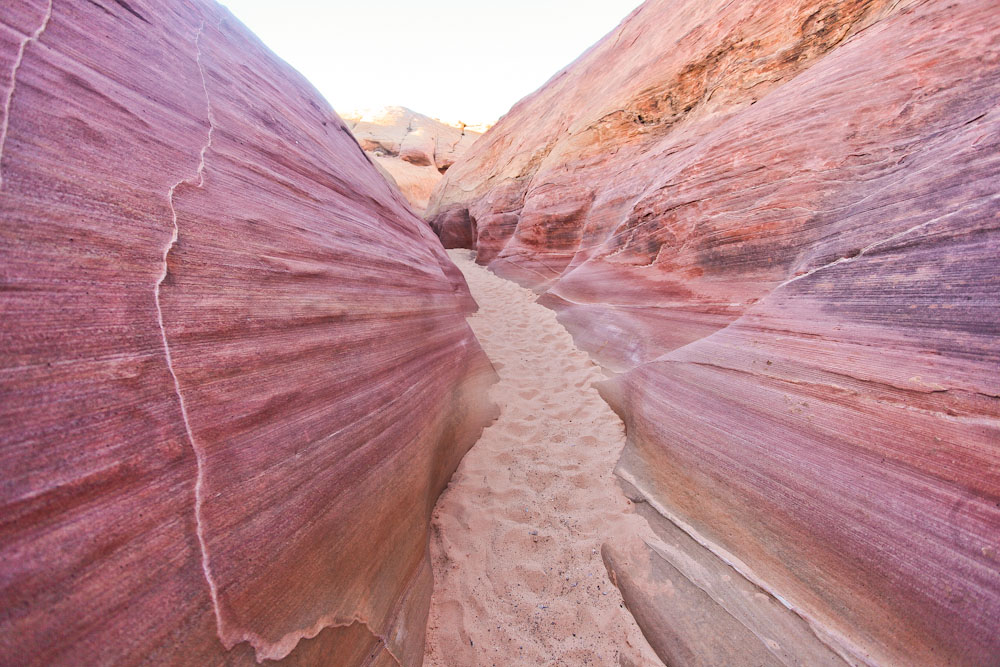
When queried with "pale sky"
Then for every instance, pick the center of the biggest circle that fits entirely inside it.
(467, 60)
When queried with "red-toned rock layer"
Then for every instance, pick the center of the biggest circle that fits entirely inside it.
(235, 371)
(781, 222)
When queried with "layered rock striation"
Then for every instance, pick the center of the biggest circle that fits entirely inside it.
(412, 148)
(780, 223)
(236, 371)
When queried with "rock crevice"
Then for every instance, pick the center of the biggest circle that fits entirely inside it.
(197, 180)
(28, 39)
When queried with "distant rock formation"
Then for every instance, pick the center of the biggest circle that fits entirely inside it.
(235, 371)
(413, 148)
(779, 222)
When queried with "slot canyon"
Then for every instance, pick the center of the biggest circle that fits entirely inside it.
(691, 358)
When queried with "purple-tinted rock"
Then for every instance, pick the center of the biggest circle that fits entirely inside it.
(235, 371)
(781, 222)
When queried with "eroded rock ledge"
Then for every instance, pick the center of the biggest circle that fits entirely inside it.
(779, 222)
(236, 371)
(413, 149)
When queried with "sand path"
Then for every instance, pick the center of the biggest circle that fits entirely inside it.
(518, 575)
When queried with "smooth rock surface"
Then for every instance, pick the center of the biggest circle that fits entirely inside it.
(236, 371)
(780, 222)
(415, 149)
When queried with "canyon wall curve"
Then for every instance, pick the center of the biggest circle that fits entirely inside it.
(777, 224)
(236, 367)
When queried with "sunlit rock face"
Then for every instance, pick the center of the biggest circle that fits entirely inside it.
(236, 371)
(413, 148)
(779, 221)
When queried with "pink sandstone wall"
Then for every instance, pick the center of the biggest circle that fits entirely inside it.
(236, 371)
(779, 222)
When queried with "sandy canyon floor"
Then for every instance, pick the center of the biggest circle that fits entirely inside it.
(518, 574)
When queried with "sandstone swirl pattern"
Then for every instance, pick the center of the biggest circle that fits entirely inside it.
(780, 222)
(236, 371)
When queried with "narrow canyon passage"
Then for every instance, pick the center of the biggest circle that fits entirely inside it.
(518, 574)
